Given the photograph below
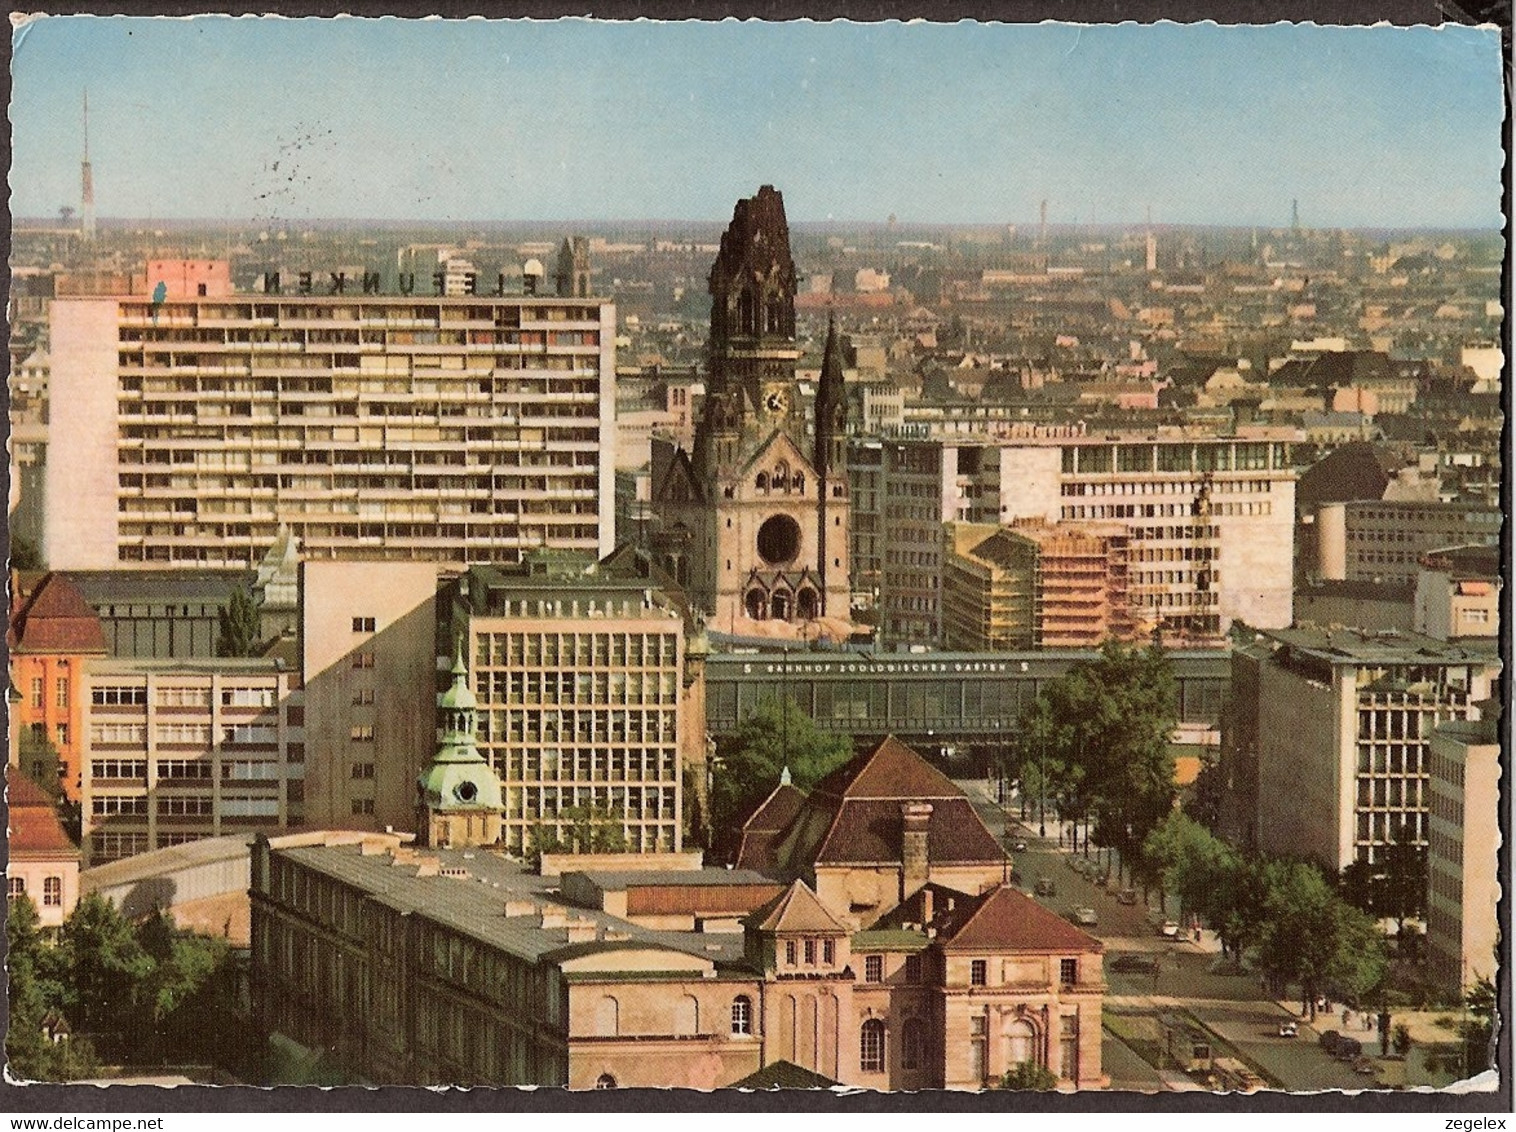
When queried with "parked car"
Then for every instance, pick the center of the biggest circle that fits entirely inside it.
(1103, 879)
(1127, 896)
(1289, 1029)
(1365, 1066)
(1019, 846)
(1086, 917)
(1169, 929)
(1046, 887)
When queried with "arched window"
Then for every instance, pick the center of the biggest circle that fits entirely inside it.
(781, 476)
(798, 483)
(780, 605)
(607, 1017)
(605, 1081)
(742, 1015)
(755, 604)
(774, 324)
(805, 603)
(762, 481)
(1020, 1041)
(687, 1015)
(912, 1041)
(871, 1046)
(747, 313)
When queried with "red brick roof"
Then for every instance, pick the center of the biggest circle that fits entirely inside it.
(56, 620)
(868, 831)
(32, 822)
(777, 810)
(796, 909)
(890, 770)
(1004, 919)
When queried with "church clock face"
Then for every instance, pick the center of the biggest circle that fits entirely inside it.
(777, 401)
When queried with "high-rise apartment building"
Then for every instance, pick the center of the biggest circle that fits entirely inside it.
(458, 428)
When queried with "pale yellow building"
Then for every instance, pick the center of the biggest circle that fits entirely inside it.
(1463, 853)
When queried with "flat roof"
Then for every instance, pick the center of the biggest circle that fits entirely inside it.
(158, 862)
(609, 880)
(1391, 646)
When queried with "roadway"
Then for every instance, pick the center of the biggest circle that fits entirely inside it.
(1181, 975)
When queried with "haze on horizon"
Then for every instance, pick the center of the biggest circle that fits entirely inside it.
(297, 120)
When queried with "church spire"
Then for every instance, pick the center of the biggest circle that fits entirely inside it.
(458, 799)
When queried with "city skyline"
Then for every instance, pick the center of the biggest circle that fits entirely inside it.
(278, 120)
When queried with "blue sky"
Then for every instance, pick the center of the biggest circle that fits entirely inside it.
(279, 119)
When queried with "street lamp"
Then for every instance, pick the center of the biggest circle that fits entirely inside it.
(1042, 786)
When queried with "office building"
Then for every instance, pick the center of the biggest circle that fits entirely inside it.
(427, 428)
(182, 750)
(1326, 750)
(1463, 853)
(1209, 519)
(1382, 540)
(1458, 592)
(579, 669)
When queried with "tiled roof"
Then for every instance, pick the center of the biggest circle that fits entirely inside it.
(1004, 919)
(871, 831)
(57, 619)
(796, 909)
(32, 822)
(777, 810)
(890, 770)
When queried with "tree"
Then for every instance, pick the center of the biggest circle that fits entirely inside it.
(1479, 1028)
(1401, 1041)
(1030, 1075)
(106, 967)
(1401, 891)
(1311, 936)
(1111, 718)
(25, 555)
(240, 633)
(35, 1003)
(774, 736)
(41, 762)
(593, 829)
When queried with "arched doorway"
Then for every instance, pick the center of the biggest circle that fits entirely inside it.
(780, 606)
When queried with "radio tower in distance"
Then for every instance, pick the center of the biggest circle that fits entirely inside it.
(87, 179)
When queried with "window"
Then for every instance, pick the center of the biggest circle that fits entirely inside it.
(15, 886)
(1020, 1041)
(605, 1081)
(362, 697)
(912, 1041)
(913, 968)
(363, 805)
(979, 972)
(107, 696)
(742, 1015)
(810, 953)
(62, 730)
(363, 624)
(1068, 971)
(363, 770)
(873, 969)
(362, 733)
(52, 892)
(363, 660)
(789, 952)
(37, 686)
(871, 1046)
(61, 700)
(828, 951)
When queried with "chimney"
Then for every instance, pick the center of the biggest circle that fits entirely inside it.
(914, 861)
(926, 908)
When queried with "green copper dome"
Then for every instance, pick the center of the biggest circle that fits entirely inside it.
(459, 778)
